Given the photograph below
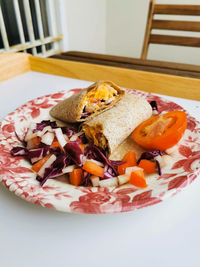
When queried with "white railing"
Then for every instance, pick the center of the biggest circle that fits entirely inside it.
(54, 12)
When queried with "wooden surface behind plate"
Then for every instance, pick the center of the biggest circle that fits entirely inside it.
(14, 64)
(147, 81)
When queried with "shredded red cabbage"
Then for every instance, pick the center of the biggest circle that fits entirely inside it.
(75, 152)
(19, 151)
(85, 114)
(41, 125)
(37, 153)
(83, 138)
(93, 152)
(57, 151)
(55, 169)
(159, 167)
(117, 163)
(109, 172)
(154, 105)
(150, 155)
(32, 155)
(21, 140)
(86, 179)
(69, 131)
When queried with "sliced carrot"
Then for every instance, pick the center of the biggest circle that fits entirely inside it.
(56, 144)
(122, 168)
(37, 166)
(35, 141)
(130, 161)
(147, 165)
(93, 168)
(130, 158)
(137, 178)
(81, 145)
(75, 177)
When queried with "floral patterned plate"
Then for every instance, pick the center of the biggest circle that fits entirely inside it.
(17, 176)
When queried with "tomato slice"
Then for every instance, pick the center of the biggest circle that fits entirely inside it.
(162, 131)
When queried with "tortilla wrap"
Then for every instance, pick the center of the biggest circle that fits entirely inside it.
(82, 106)
(110, 128)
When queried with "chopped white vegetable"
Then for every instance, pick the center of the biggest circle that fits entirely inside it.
(109, 182)
(30, 135)
(154, 112)
(45, 129)
(123, 179)
(75, 136)
(60, 137)
(171, 150)
(95, 180)
(166, 161)
(158, 158)
(96, 162)
(47, 164)
(129, 170)
(68, 169)
(48, 138)
(83, 159)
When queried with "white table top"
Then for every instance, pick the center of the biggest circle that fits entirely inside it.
(166, 234)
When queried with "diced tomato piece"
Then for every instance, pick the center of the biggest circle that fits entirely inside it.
(162, 131)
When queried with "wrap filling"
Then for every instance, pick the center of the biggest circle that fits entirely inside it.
(98, 98)
(95, 134)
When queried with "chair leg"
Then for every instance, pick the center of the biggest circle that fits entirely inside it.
(148, 29)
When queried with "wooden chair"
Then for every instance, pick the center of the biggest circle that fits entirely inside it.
(163, 9)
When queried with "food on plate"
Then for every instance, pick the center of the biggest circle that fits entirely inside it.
(161, 131)
(75, 177)
(129, 160)
(69, 153)
(137, 178)
(110, 128)
(89, 102)
(147, 165)
(85, 154)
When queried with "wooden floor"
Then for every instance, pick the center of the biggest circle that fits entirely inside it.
(185, 70)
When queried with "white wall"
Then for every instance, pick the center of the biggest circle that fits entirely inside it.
(117, 27)
(126, 23)
(86, 25)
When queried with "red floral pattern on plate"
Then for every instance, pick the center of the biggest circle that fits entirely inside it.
(17, 176)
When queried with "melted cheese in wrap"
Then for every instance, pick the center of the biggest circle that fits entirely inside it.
(98, 98)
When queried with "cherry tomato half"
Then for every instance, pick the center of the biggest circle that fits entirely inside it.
(162, 131)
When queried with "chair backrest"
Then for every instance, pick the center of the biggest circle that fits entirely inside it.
(163, 9)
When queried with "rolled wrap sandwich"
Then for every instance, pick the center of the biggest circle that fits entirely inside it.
(110, 128)
(87, 103)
